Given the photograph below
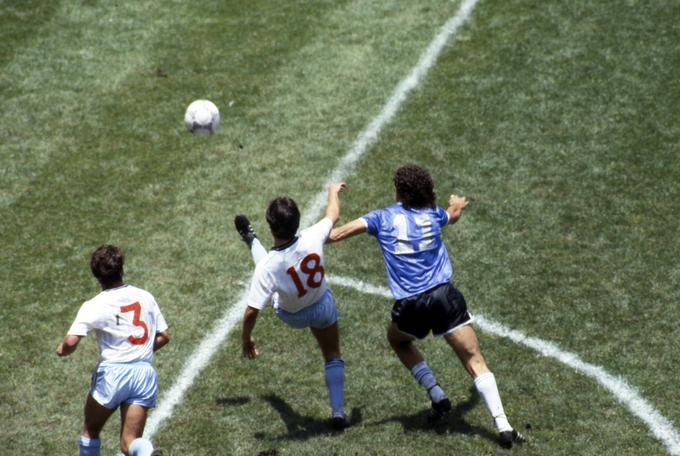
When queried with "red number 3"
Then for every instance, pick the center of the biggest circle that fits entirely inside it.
(310, 265)
(137, 309)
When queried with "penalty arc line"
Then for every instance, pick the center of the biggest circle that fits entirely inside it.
(659, 425)
(200, 358)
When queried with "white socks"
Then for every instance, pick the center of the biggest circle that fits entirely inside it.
(140, 447)
(487, 388)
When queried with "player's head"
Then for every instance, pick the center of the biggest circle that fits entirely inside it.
(107, 265)
(414, 186)
(283, 217)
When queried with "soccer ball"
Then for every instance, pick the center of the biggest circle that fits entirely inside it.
(202, 117)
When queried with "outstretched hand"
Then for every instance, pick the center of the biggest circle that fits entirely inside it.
(337, 187)
(458, 202)
(456, 206)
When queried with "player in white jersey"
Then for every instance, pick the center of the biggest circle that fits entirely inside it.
(292, 277)
(130, 327)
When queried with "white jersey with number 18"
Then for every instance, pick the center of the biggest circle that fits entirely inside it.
(125, 319)
(295, 271)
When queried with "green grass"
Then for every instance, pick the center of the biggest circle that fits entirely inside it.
(558, 120)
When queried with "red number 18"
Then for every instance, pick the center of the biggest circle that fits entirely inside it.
(310, 265)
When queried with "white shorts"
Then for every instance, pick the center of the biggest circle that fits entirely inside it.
(125, 383)
(321, 314)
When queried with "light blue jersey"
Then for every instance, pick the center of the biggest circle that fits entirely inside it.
(410, 239)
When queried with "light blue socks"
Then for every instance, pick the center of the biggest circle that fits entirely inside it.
(89, 447)
(335, 381)
(423, 375)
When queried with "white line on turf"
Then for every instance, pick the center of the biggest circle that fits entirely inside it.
(201, 356)
(367, 137)
(195, 364)
(626, 394)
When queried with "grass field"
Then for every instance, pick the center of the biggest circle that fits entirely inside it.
(559, 120)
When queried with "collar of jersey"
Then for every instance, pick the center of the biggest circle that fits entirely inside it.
(117, 288)
(286, 245)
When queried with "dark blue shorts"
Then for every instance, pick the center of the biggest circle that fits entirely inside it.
(441, 309)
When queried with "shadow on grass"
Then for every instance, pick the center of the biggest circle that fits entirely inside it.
(451, 422)
(238, 400)
(300, 427)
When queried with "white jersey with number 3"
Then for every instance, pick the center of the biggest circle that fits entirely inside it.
(125, 319)
(295, 271)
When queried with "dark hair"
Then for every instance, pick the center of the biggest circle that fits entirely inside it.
(414, 186)
(107, 265)
(283, 217)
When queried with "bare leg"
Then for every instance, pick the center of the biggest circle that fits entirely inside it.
(403, 346)
(464, 342)
(132, 421)
(329, 341)
(409, 355)
(96, 416)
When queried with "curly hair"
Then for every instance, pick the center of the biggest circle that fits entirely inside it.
(414, 186)
(283, 217)
(107, 265)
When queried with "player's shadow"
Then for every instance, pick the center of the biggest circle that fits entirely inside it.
(300, 427)
(451, 422)
(231, 401)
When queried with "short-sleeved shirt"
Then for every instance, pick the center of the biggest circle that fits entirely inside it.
(295, 271)
(125, 319)
(410, 239)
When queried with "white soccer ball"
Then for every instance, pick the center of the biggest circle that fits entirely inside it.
(202, 117)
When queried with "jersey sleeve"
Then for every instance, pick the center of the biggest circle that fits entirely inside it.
(442, 216)
(261, 287)
(161, 324)
(372, 221)
(321, 229)
(85, 321)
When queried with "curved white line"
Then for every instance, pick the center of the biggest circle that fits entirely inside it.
(660, 426)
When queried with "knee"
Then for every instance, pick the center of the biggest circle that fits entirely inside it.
(476, 365)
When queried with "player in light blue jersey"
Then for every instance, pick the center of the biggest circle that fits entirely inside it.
(419, 274)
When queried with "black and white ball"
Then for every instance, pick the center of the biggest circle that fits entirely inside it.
(202, 117)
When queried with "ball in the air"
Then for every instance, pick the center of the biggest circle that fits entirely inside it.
(202, 117)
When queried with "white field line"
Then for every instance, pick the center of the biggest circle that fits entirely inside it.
(202, 355)
(367, 137)
(195, 364)
(660, 426)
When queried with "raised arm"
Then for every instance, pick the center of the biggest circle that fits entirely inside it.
(333, 208)
(457, 205)
(350, 229)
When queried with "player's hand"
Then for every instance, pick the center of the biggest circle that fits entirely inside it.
(337, 187)
(458, 202)
(248, 348)
(60, 349)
